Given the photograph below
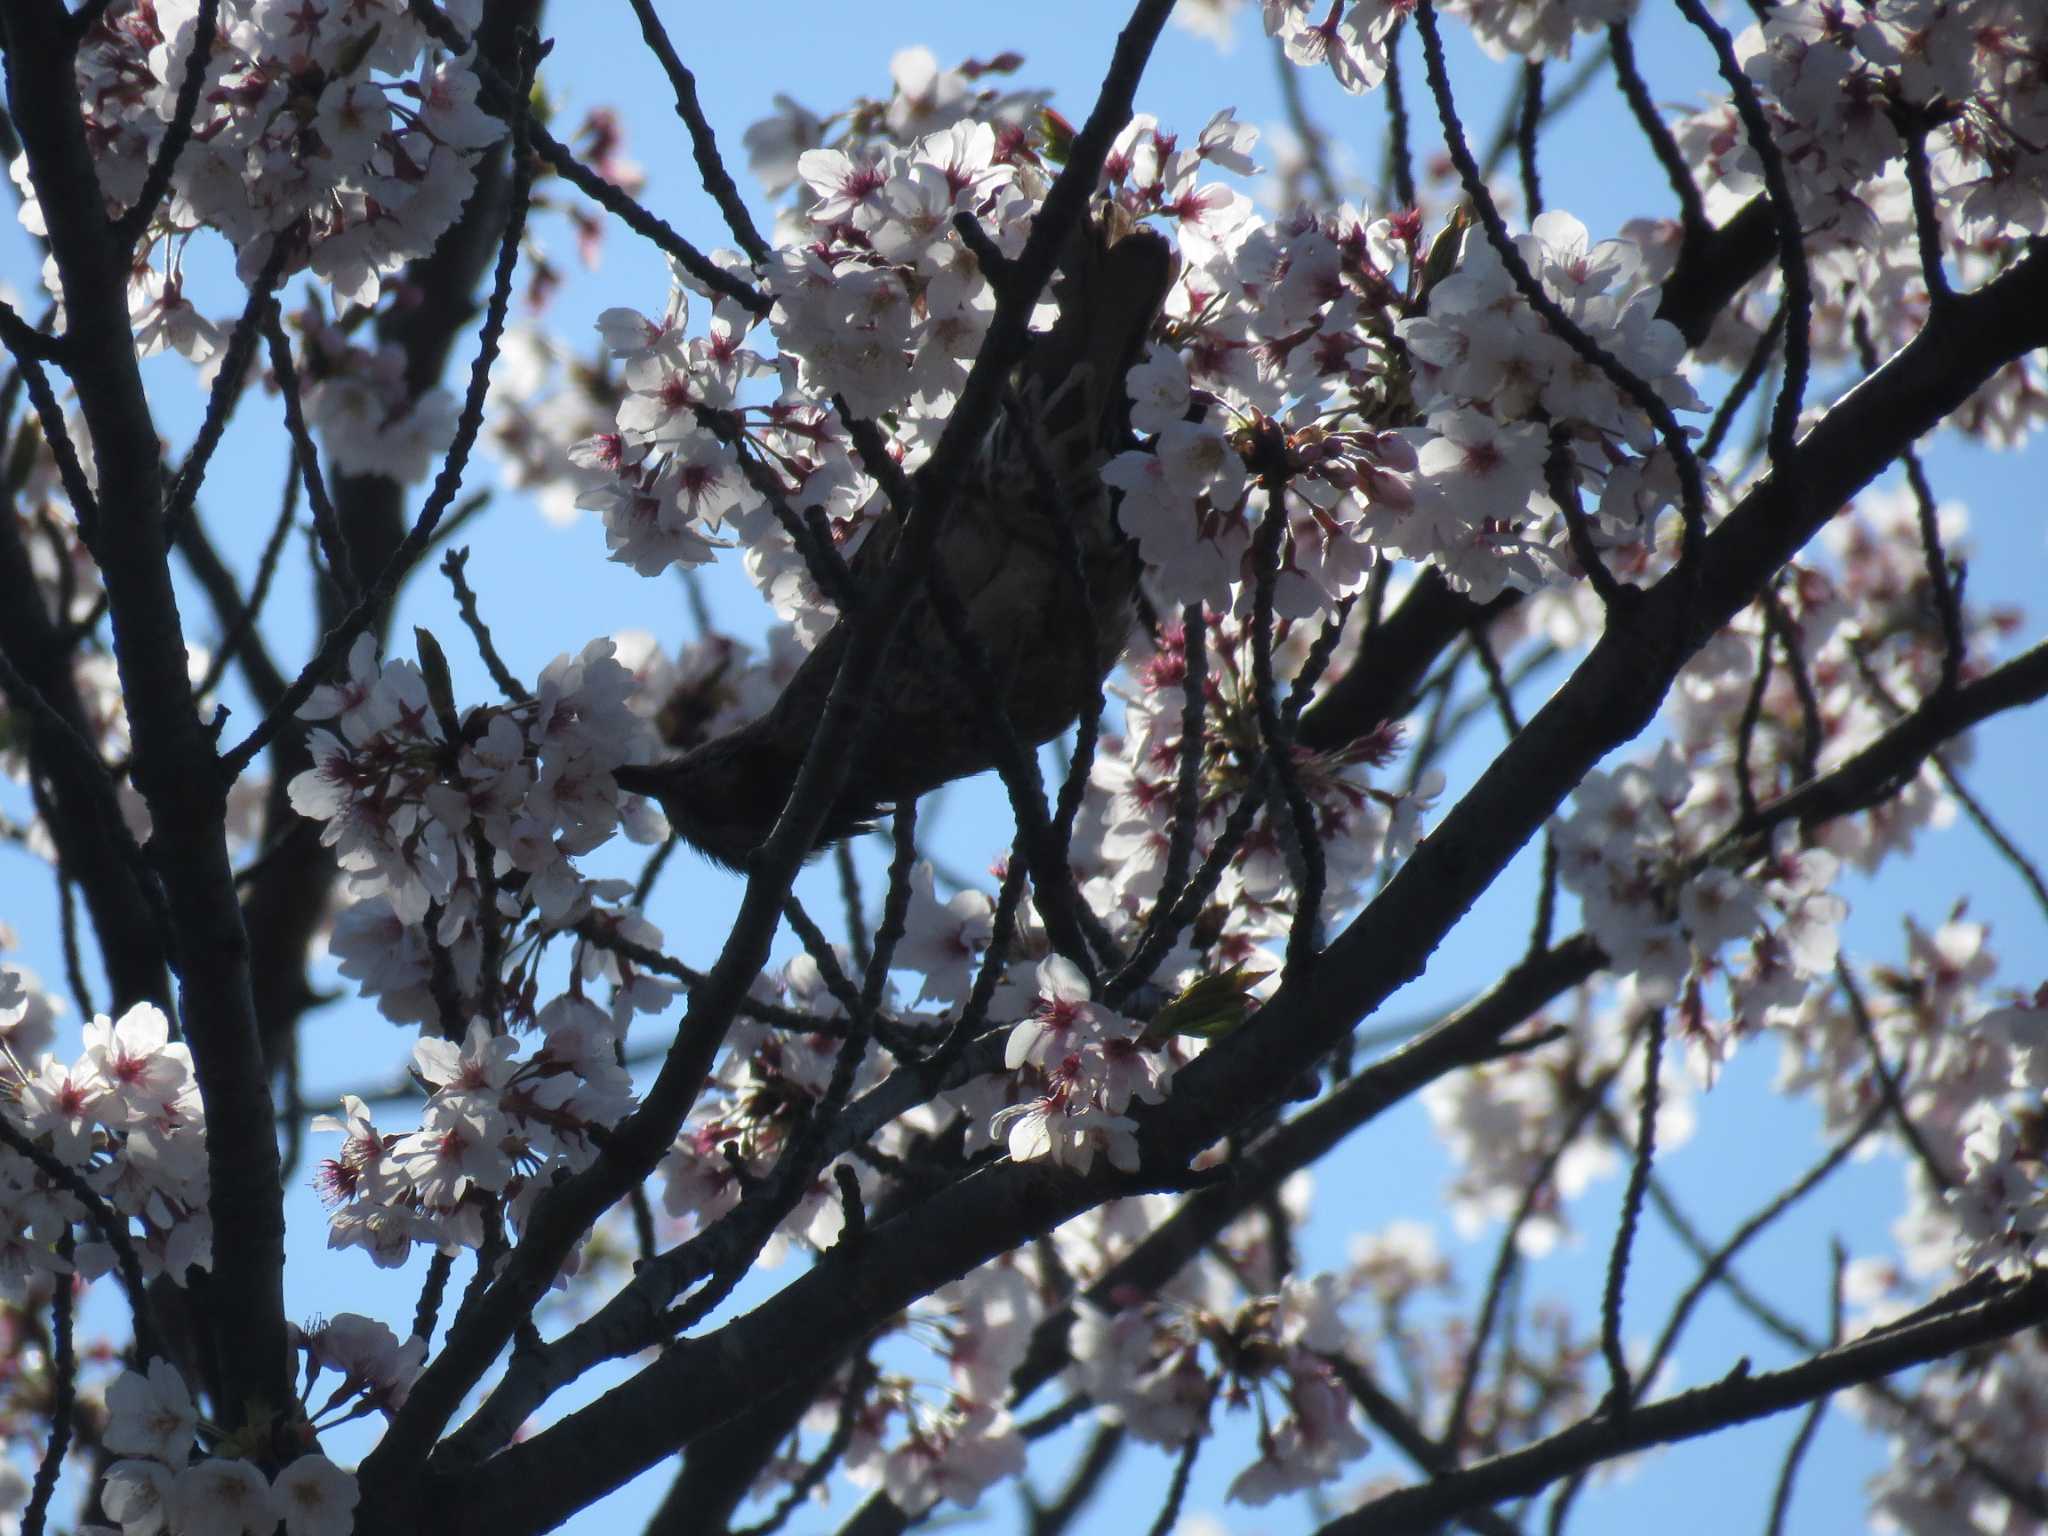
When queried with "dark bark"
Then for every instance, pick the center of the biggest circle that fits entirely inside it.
(174, 762)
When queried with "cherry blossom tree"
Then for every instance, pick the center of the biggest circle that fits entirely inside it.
(1418, 531)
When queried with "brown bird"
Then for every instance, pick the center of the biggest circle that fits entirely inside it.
(1001, 550)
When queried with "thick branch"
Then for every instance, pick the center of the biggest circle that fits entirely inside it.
(1702, 1411)
(1468, 1035)
(175, 765)
(89, 844)
(1888, 762)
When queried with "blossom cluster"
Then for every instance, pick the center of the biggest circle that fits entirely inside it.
(475, 819)
(1208, 1343)
(1520, 1134)
(1127, 825)
(1662, 912)
(1091, 1062)
(1144, 1365)
(966, 1442)
(65, 578)
(1794, 688)
(152, 1423)
(876, 299)
(773, 1074)
(458, 837)
(341, 134)
(1378, 394)
(125, 1118)
(2001, 1204)
(1853, 95)
(370, 418)
(342, 131)
(1981, 1410)
(1489, 373)
(493, 1132)
(1352, 41)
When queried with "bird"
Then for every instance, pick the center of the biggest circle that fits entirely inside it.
(1001, 550)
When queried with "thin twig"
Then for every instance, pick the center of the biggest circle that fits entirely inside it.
(89, 773)
(853, 1396)
(1781, 1495)
(1738, 1398)
(1561, 478)
(452, 566)
(1105, 1445)
(853, 903)
(1400, 160)
(1778, 625)
(227, 388)
(1752, 374)
(895, 906)
(1620, 1392)
(1887, 1081)
(336, 644)
(508, 98)
(1926, 216)
(1394, 1421)
(1941, 581)
(239, 634)
(111, 1225)
(1692, 213)
(63, 1389)
(1633, 387)
(177, 132)
(654, 960)
(1177, 1487)
(67, 929)
(1996, 835)
(1531, 118)
(1159, 937)
(1792, 268)
(29, 347)
(1068, 920)
(703, 142)
(2024, 1495)
(1505, 1255)
(326, 526)
(1296, 822)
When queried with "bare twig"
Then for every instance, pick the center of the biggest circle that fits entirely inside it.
(703, 142)
(1737, 1399)
(452, 566)
(334, 647)
(177, 132)
(326, 527)
(1792, 268)
(1619, 1391)
(63, 1390)
(1692, 214)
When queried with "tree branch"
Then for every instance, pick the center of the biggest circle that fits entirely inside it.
(1735, 1400)
(175, 766)
(561, 1217)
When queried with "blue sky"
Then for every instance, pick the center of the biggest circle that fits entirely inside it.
(550, 590)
